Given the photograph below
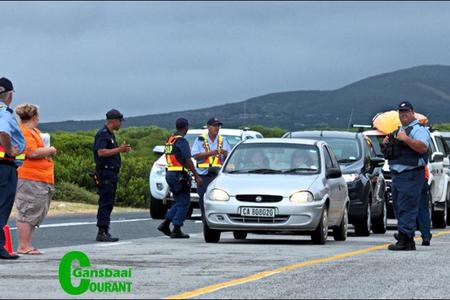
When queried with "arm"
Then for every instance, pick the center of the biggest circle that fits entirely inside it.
(198, 151)
(111, 152)
(5, 140)
(42, 152)
(416, 145)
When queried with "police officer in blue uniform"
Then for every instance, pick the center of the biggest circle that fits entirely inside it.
(179, 163)
(12, 145)
(108, 162)
(407, 157)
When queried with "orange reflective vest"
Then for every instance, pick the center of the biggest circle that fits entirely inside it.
(173, 165)
(5, 156)
(211, 161)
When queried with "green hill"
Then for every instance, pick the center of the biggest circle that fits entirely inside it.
(427, 87)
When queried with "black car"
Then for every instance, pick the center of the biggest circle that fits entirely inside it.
(362, 170)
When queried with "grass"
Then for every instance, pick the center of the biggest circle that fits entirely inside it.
(58, 208)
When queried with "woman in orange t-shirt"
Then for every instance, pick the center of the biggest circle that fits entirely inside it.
(35, 186)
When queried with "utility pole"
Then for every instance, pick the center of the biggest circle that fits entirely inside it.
(350, 119)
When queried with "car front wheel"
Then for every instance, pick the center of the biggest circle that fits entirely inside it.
(210, 235)
(157, 208)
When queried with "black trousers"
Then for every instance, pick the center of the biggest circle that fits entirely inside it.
(107, 196)
(8, 186)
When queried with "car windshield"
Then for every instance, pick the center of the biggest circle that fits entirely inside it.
(232, 139)
(447, 140)
(274, 158)
(377, 141)
(346, 150)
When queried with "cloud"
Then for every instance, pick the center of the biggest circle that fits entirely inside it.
(78, 59)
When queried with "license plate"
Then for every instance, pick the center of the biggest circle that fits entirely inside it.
(258, 212)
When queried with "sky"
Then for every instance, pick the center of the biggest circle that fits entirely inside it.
(76, 60)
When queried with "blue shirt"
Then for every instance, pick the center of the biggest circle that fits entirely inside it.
(418, 133)
(197, 147)
(10, 126)
(104, 139)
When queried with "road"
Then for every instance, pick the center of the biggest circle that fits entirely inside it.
(263, 266)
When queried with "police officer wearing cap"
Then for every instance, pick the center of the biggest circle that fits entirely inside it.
(108, 162)
(407, 159)
(12, 146)
(179, 163)
(209, 150)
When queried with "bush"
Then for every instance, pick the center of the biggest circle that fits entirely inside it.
(71, 192)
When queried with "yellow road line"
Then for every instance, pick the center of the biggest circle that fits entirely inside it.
(261, 275)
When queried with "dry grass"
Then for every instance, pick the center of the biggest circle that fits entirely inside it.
(58, 208)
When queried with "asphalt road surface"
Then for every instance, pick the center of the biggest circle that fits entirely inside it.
(262, 266)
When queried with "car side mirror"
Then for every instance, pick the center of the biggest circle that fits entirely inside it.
(213, 171)
(377, 162)
(333, 173)
(437, 157)
(158, 150)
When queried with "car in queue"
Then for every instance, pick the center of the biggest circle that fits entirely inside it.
(278, 185)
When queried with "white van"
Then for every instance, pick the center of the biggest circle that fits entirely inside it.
(160, 196)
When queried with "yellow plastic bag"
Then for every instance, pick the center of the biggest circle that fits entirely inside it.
(389, 121)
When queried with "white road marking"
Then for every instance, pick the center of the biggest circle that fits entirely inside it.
(86, 223)
(112, 244)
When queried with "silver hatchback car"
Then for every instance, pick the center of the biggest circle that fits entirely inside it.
(278, 185)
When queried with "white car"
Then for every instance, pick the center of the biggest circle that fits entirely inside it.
(160, 196)
(439, 180)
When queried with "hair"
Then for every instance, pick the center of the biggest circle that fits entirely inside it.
(27, 111)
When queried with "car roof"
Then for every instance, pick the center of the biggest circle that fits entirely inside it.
(224, 131)
(311, 142)
(374, 132)
(322, 133)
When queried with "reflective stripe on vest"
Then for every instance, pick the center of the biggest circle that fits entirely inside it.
(5, 156)
(173, 164)
(211, 161)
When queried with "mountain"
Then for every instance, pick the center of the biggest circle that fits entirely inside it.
(426, 87)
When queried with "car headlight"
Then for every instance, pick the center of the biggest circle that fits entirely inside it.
(218, 195)
(301, 197)
(351, 177)
(160, 170)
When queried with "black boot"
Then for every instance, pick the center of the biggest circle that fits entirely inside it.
(411, 241)
(404, 243)
(164, 227)
(104, 236)
(178, 234)
(426, 241)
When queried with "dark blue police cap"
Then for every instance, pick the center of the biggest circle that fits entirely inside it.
(181, 123)
(405, 106)
(114, 114)
(214, 121)
(5, 85)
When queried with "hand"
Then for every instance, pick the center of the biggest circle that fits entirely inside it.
(199, 180)
(124, 148)
(386, 140)
(213, 153)
(52, 151)
(402, 136)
